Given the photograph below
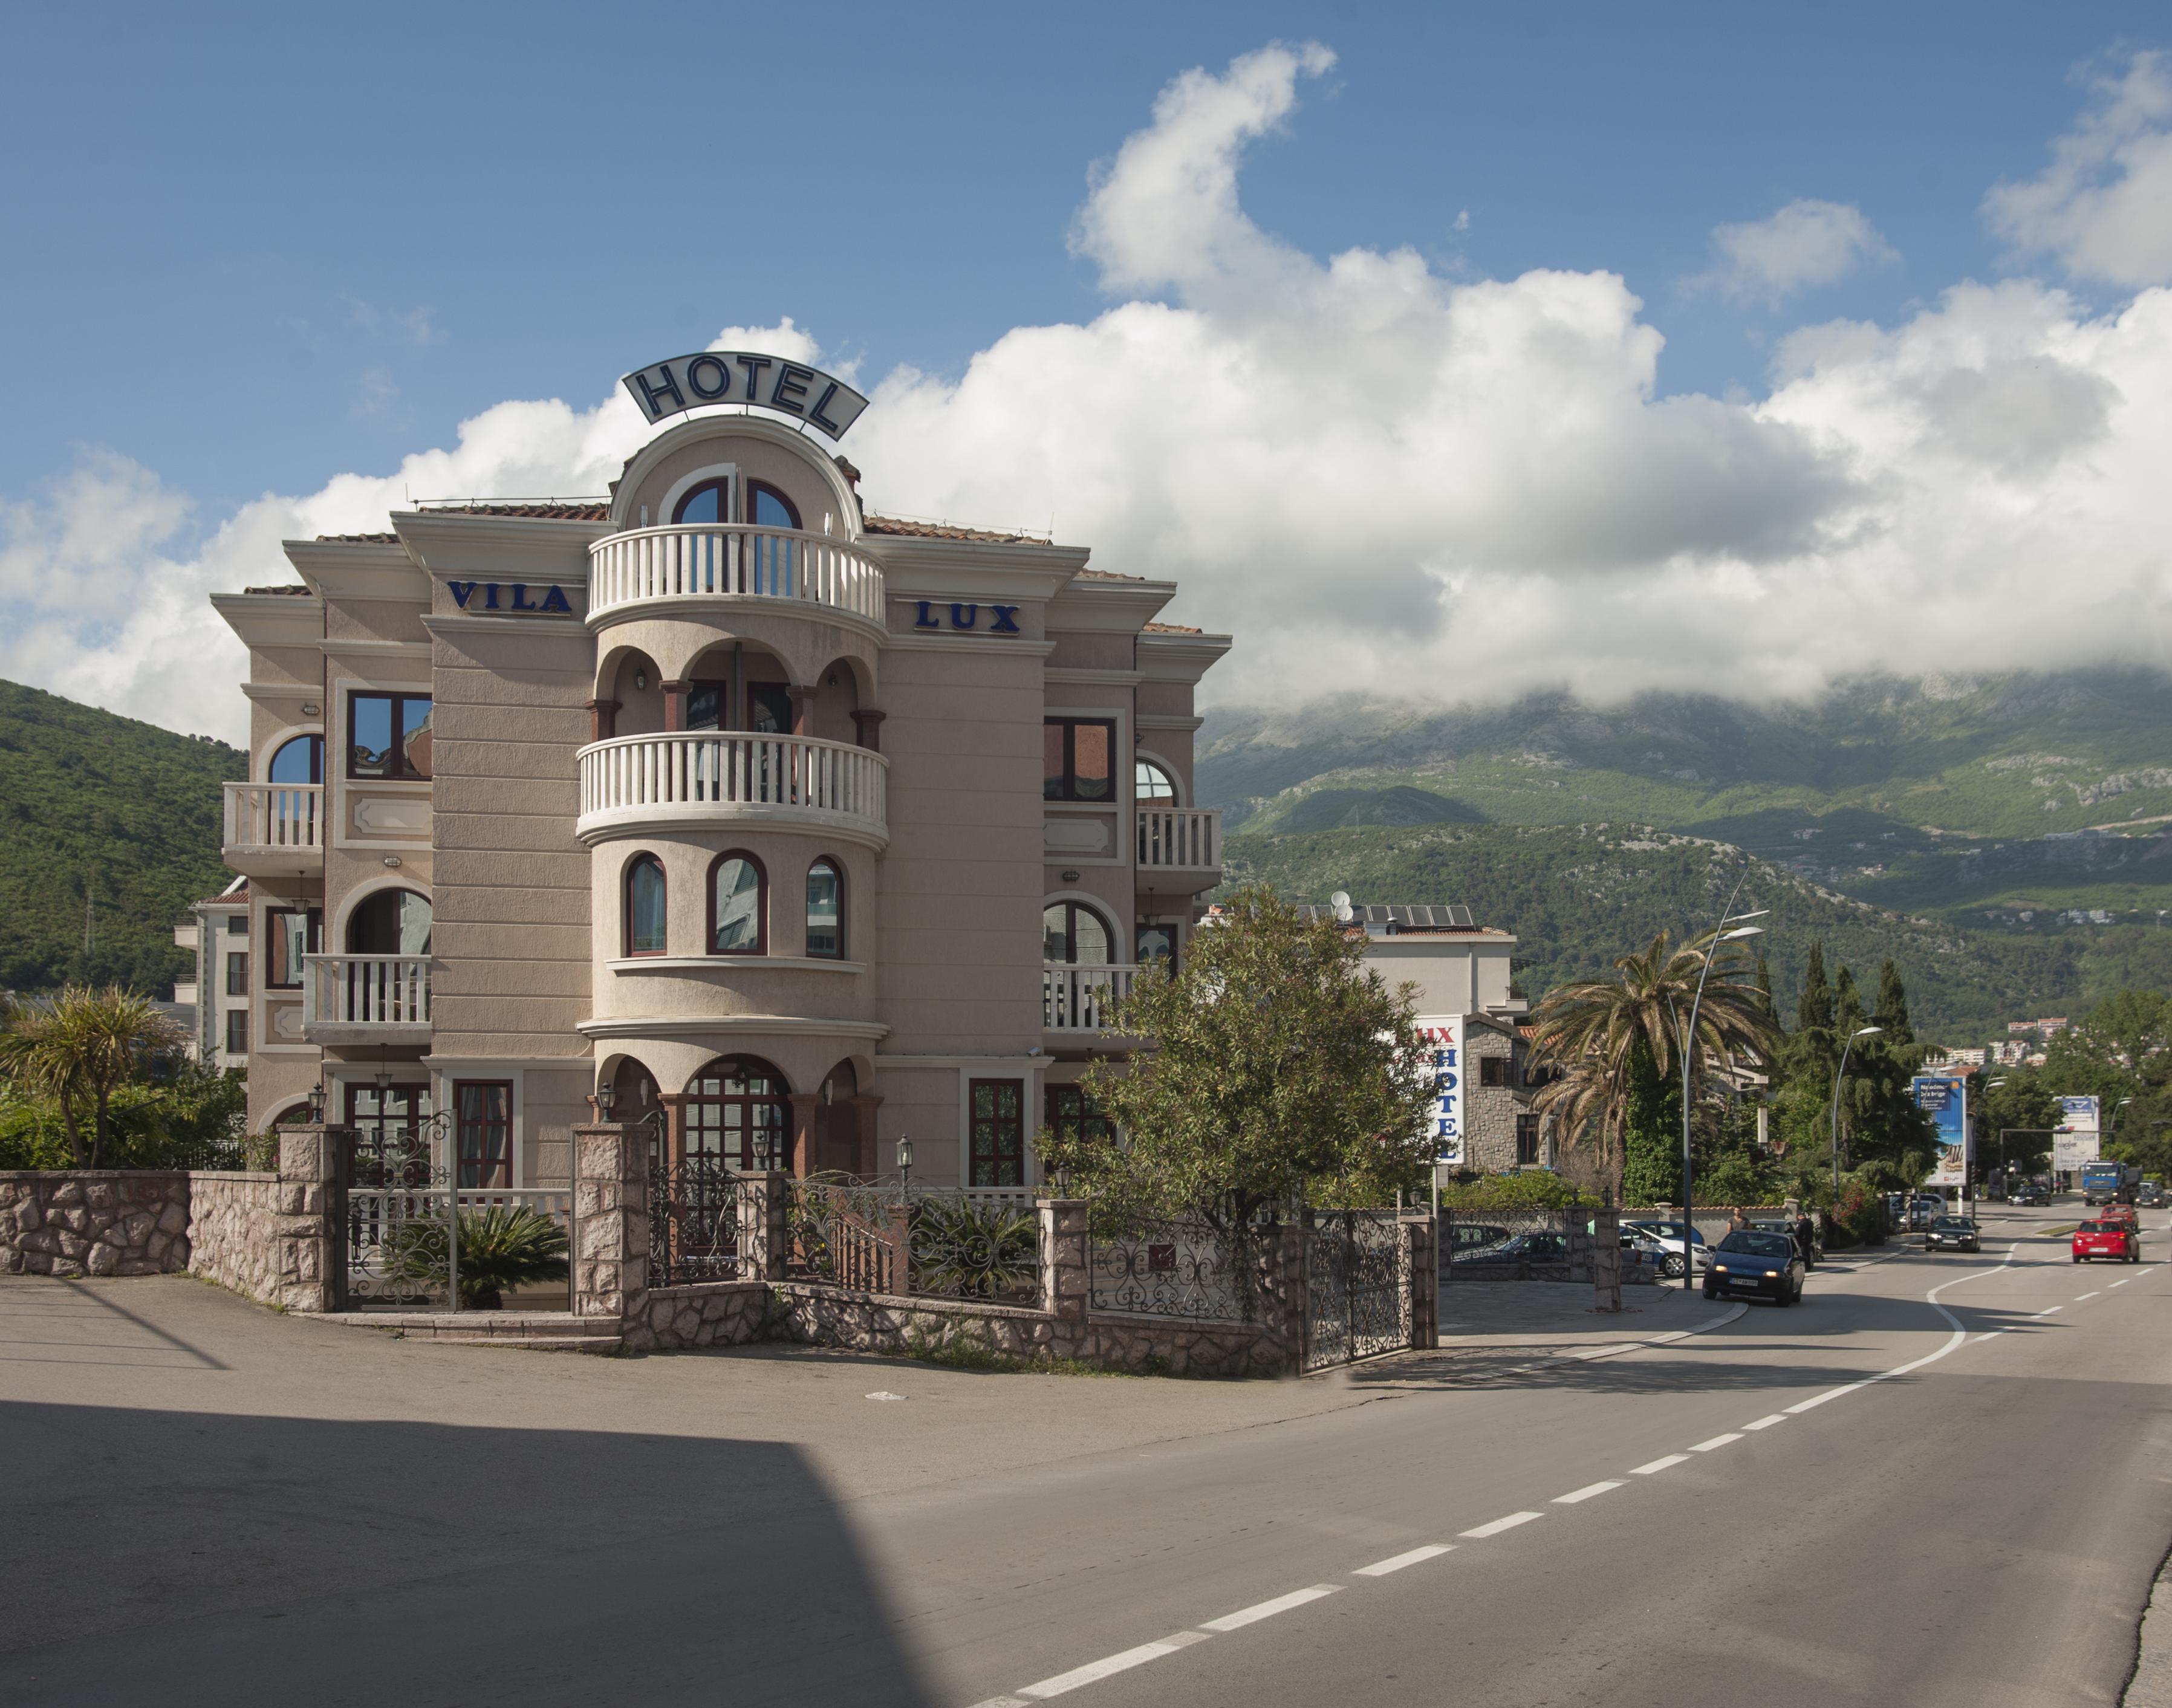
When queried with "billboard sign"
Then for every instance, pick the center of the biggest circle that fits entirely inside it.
(1944, 1098)
(1444, 1039)
(2077, 1138)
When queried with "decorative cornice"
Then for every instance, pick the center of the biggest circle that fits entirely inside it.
(734, 1025)
(947, 643)
(733, 963)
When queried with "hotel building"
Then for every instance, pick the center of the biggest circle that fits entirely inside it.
(721, 801)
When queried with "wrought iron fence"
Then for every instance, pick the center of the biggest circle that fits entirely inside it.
(1358, 1300)
(885, 1236)
(1186, 1268)
(966, 1247)
(402, 1236)
(694, 1222)
(1507, 1244)
(847, 1235)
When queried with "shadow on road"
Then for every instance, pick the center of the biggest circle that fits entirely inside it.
(242, 1559)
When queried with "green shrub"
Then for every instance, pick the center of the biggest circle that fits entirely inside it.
(1536, 1191)
(500, 1249)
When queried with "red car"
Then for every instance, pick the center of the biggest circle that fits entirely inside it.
(2112, 1239)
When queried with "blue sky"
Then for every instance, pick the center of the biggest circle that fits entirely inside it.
(258, 248)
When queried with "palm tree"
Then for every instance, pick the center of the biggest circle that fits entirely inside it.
(78, 1049)
(1591, 1033)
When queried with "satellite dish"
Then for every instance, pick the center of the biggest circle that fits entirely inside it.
(1340, 900)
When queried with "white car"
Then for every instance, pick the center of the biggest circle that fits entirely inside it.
(1668, 1237)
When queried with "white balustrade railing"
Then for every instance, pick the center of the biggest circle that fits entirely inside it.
(275, 815)
(1075, 999)
(1186, 837)
(723, 769)
(366, 990)
(710, 561)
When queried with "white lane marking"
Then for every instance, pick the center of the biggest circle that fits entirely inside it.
(2091, 1296)
(1706, 1446)
(1267, 1609)
(1579, 1496)
(1608, 1351)
(1500, 1524)
(1670, 1460)
(1989, 1334)
(1816, 1399)
(1397, 1562)
(2048, 1313)
(1004, 1702)
(1767, 1423)
(1662, 1339)
(1107, 1666)
(2121, 1283)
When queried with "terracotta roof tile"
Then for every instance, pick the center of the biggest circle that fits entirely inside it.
(544, 509)
(1168, 629)
(296, 590)
(1106, 575)
(358, 539)
(943, 530)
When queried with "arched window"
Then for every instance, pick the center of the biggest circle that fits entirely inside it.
(710, 502)
(300, 761)
(390, 922)
(771, 507)
(1073, 934)
(738, 906)
(826, 909)
(1152, 785)
(644, 907)
(736, 1112)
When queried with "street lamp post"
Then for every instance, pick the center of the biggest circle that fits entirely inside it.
(1860, 1032)
(1689, 1045)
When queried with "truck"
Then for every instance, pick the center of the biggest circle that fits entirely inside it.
(2110, 1182)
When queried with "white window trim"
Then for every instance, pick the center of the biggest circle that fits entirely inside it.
(1175, 779)
(681, 487)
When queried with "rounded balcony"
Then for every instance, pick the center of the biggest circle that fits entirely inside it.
(658, 572)
(646, 785)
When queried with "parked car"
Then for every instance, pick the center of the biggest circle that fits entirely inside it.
(2122, 1213)
(1541, 1247)
(1765, 1265)
(2028, 1193)
(1923, 1212)
(2113, 1239)
(1666, 1258)
(1953, 1233)
(1669, 1235)
(1785, 1224)
(1471, 1237)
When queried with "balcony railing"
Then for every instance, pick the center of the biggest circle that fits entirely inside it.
(1075, 999)
(659, 566)
(720, 777)
(274, 819)
(353, 999)
(1186, 839)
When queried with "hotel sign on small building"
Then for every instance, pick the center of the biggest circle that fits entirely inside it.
(1444, 1038)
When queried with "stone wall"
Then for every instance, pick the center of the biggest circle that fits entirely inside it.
(93, 1222)
(233, 1221)
(705, 1314)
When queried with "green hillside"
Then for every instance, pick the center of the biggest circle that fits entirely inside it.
(102, 809)
(1578, 896)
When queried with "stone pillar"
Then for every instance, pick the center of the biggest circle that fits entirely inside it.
(869, 724)
(674, 705)
(603, 719)
(610, 1217)
(806, 1106)
(765, 1237)
(1422, 1276)
(802, 710)
(1289, 1291)
(1606, 1259)
(309, 1231)
(1067, 1279)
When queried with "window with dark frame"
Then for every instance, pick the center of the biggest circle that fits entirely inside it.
(998, 1132)
(290, 933)
(1152, 785)
(483, 1109)
(237, 973)
(298, 761)
(1070, 1113)
(1493, 1070)
(645, 897)
(1527, 1140)
(1078, 758)
(1072, 934)
(388, 735)
(738, 906)
(237, 1032)
(826, 909)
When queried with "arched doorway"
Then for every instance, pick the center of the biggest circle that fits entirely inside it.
(736, 1112)
(391, 922)
(838, 1148)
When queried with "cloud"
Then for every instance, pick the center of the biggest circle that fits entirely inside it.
(1385, 481)
(1804, 243)
(416, 326)
(2104, 205)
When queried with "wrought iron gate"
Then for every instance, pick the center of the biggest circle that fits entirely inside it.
(401, 1230)
(1357, 1301)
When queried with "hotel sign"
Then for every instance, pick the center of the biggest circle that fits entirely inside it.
(672, 387)
(1443, 1035)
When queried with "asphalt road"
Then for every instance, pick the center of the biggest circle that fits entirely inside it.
(1940, 1481)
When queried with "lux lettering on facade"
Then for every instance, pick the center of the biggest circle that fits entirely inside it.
(517, 600)
(1004, 618)
(681, 383)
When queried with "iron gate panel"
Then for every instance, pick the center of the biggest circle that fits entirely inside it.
(399, 1216)
(693, 1221)
(1357, 1301)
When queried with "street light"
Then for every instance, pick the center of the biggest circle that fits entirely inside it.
(1861, 1031)
(1721, 935)
(905, 1160)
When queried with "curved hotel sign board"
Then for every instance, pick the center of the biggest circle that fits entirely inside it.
(672, 387)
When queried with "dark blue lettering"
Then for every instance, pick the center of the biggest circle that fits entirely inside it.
(520, 597)
(822, 403)
(490, 596)
(970, 616)
(1003, 624)
(754, 365)
(924, 621)
(555, 600)
(791, 379)
(461, 591)
(650, 394)
(708, 394)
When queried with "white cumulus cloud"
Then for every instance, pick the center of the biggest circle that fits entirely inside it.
(1805, 243)
(1385, 481)
(2104, 205)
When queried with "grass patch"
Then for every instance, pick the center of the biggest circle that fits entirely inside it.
(982, 1361)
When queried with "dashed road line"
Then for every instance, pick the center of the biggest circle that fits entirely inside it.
(2047, 1313)
(1397, 1562)
(1500, 1524)
(1767, 1423)
(1267, 1609)
(1666, 1464)
(2088, 1296)
(2121, 1283)
(1577, 1496)
(1094, 1671)
(1717, 1441)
